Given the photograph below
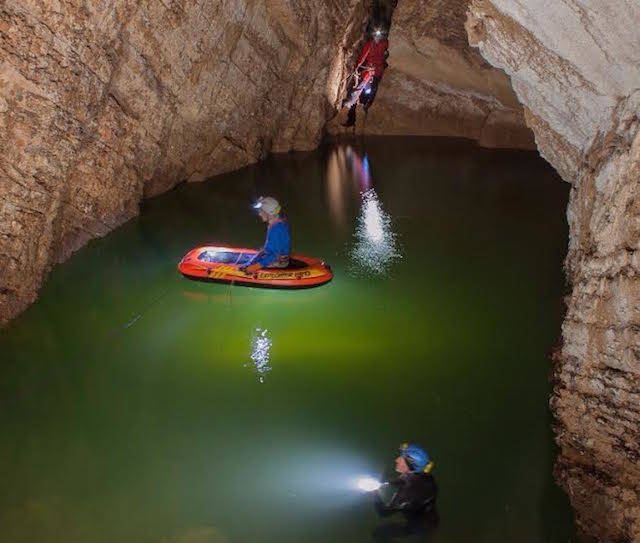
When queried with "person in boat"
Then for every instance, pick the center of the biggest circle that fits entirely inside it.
(412, 494)
(277, 247)
(368, 72)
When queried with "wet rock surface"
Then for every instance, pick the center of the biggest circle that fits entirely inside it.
(103, 103)
(437, 85)
(576, 68)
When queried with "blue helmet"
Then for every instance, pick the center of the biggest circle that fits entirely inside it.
(417, 458)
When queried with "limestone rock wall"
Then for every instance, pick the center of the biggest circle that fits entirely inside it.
(102, 103)
(437, 85)
(575, 65)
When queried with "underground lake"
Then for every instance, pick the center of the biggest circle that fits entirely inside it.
(138, 405)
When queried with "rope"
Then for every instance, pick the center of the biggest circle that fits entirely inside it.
(145, 309)
(138, 315)
(233, 281)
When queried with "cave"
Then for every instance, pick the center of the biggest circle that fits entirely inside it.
(125, 122)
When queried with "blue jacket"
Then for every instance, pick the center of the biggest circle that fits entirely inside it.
(278, 244)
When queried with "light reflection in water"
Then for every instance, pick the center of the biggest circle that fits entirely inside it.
(348, 176)
(376, 244)
(260, 352)
(336, 176)
(319, 474)
(361, 170)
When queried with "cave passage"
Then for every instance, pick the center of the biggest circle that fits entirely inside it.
(140, 406)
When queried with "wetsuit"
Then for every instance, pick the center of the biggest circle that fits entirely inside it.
(370, 66)
(414, 496)
(277, 247)
(414, 493)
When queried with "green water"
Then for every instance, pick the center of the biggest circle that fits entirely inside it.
(132, 410)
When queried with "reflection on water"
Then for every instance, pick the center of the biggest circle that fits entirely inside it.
(375, 245)
(260, 347)
(336, 179)
(348, 176)
(361, 171)
(159, 432)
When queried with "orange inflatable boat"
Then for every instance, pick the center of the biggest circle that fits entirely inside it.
(222, 265)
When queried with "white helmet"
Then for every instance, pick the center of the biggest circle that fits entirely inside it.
(268, 205)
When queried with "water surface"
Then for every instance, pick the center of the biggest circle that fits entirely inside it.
(139, 406)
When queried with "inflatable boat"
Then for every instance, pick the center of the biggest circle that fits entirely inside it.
(222, 265)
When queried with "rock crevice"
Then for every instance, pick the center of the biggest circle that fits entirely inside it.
(437, 85)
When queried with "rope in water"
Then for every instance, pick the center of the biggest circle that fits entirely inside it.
(145, 309)
(233, 280)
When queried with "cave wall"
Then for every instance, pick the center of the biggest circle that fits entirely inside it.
(575, 65)
(437, 85)
(103, 103)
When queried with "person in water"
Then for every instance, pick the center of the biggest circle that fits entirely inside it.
(277, 247)
(368, 72)
(413, 494)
